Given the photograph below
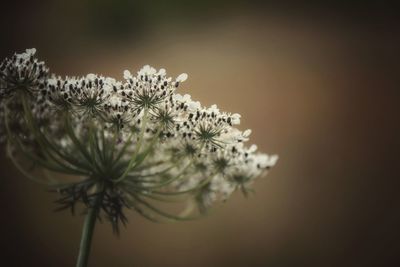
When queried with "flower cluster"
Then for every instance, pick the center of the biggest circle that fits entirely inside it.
(130, 144)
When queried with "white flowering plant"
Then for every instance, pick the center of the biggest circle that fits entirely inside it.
(131, 144)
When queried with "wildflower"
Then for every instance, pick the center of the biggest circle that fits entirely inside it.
(131, 144)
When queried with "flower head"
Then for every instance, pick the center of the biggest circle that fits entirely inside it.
(21, 71)
(131, 143)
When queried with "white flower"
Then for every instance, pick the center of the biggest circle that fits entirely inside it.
(127, 74)
(21, 72)
(135, 139)
(182, 77)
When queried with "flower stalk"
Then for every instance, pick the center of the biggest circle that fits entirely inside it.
(87, 233)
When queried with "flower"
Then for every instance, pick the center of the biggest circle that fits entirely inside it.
(21, 71)
(131, 143)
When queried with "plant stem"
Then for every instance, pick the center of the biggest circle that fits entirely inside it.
(138, 146)
(87, 233)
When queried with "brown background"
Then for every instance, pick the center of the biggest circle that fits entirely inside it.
(316, 84)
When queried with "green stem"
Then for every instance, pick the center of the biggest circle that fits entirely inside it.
(200, 185)
(138, 146)
(87, 233)
(80, 146)
(46, 146)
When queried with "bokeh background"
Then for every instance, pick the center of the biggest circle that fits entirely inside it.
(318, 85)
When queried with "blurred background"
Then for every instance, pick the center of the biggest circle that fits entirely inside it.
(318, 85)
